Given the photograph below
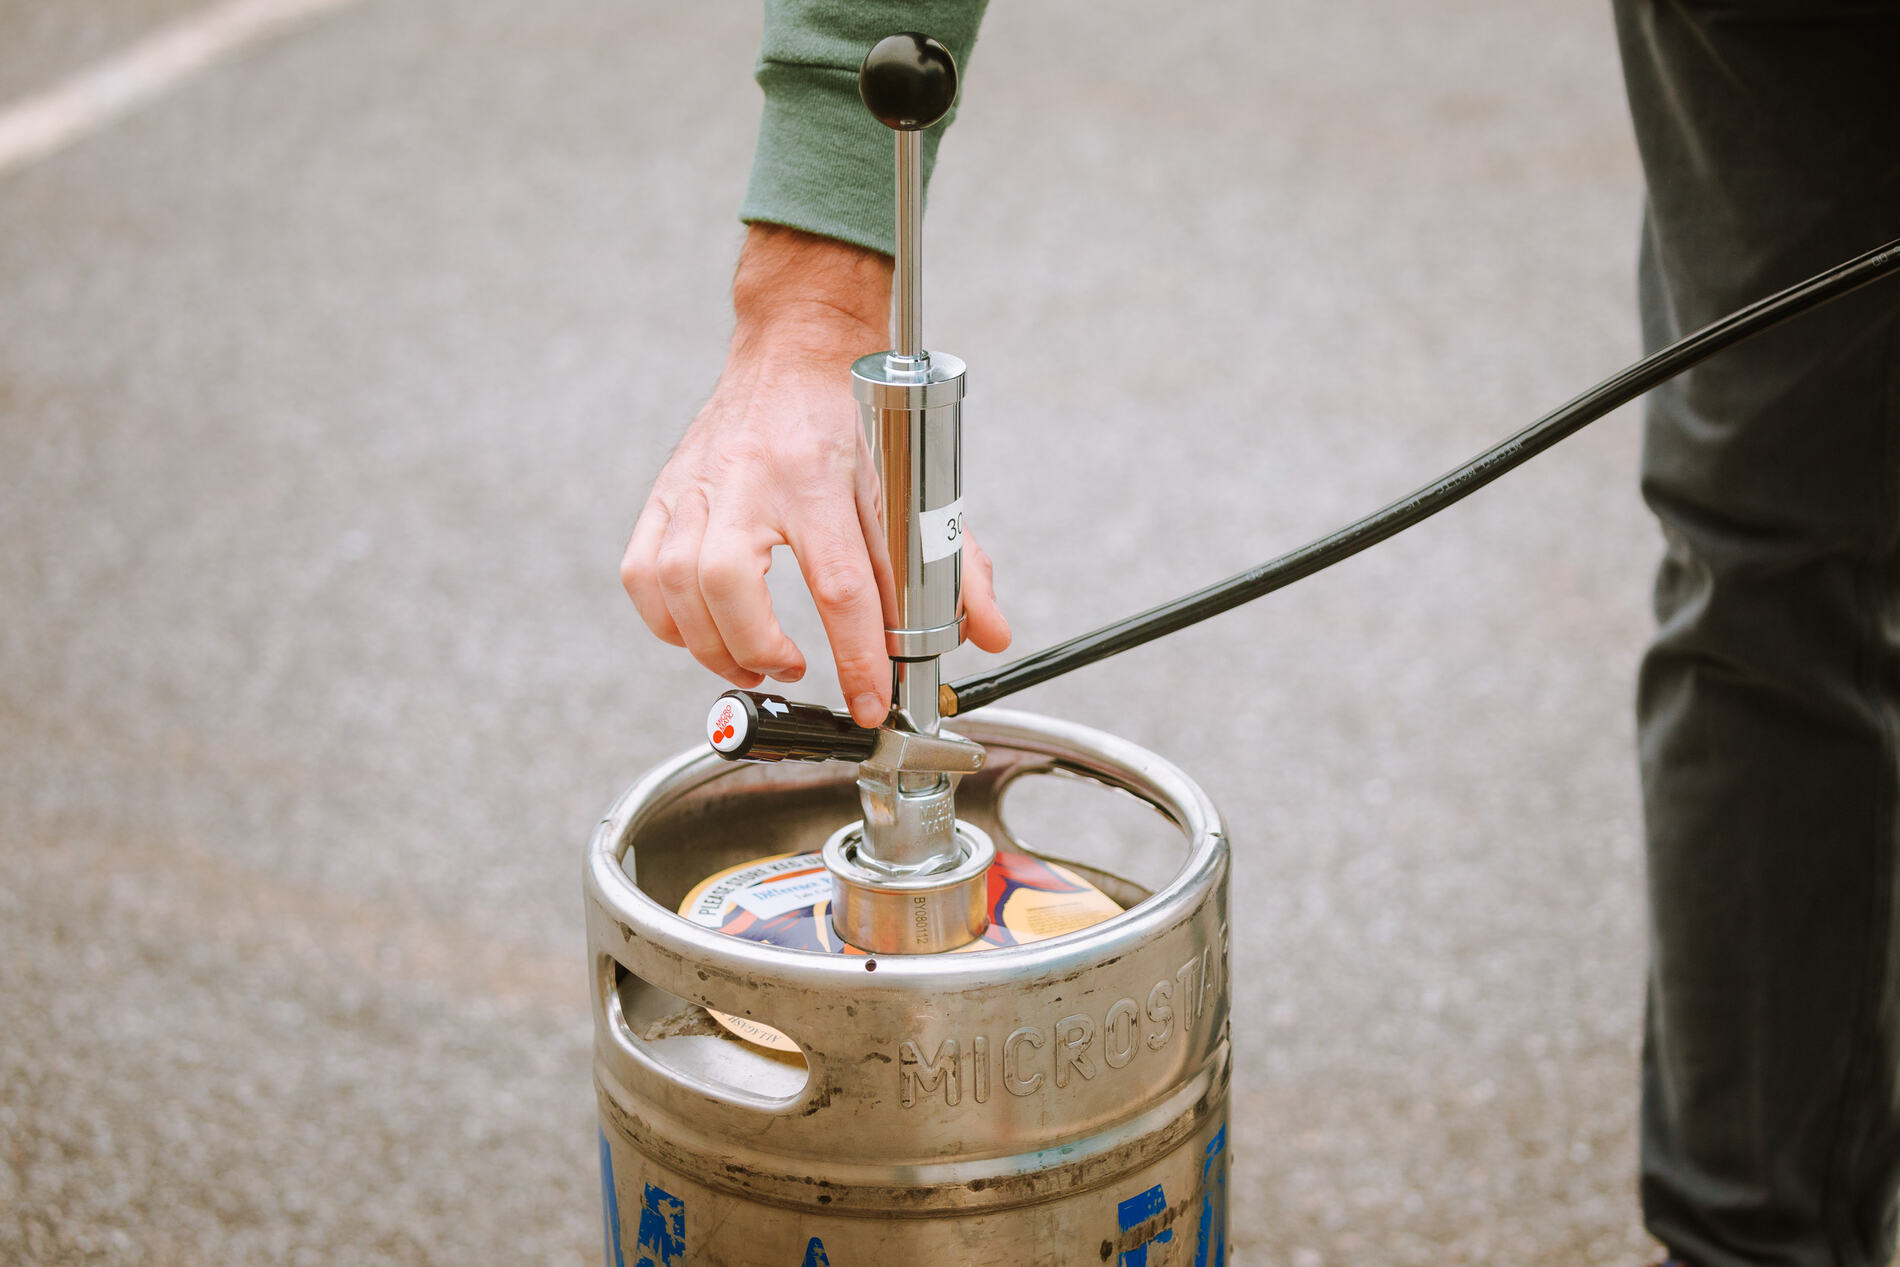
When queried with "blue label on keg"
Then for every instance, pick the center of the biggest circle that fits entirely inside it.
(1135, 1212)
(662, 1230)
(609, 1204)
(1212, 1249)
(662, 1224)
(1146, 1220)
(662, 1221)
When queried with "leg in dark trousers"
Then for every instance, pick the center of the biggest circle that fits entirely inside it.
(1769, 704)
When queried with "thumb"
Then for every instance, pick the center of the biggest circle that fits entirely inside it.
(985, 625)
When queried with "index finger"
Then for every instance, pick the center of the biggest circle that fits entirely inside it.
(837, 568)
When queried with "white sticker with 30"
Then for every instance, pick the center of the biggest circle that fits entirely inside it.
(942, 531)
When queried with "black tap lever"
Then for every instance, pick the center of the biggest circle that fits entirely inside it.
(753, 726)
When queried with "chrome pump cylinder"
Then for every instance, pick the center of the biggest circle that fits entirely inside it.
(913, 421)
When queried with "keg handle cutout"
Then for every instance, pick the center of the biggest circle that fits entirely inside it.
(680, 1038)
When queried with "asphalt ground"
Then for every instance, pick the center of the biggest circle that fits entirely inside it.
(330, 385)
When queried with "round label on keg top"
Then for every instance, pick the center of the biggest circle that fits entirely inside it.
(785, 900)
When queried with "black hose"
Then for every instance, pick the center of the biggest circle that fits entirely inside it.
(1651, 371)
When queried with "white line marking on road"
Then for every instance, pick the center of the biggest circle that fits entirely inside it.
(95, 97)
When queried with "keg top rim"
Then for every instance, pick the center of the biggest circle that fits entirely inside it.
(1122, 762)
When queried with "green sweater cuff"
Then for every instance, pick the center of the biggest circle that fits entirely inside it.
(823, 164)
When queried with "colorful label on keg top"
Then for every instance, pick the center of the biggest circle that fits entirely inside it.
(785, 900)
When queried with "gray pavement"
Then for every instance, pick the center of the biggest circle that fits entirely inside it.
(46, 42)
(330, 385)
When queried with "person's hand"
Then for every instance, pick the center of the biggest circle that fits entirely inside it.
(778, 457)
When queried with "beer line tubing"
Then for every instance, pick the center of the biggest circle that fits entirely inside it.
(1243, 587)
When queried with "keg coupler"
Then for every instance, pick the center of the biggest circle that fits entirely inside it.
(909, 878)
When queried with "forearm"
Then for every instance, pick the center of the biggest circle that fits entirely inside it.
(799, 288)
(822, 163)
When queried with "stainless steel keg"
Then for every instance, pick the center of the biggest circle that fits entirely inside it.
(1062, 1102)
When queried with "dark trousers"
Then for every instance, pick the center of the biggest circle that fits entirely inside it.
(1769, 704)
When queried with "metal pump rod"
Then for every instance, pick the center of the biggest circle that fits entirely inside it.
(909, 341)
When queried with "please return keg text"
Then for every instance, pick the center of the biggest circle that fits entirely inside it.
(1078, 1046)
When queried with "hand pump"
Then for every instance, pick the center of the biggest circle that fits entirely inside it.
(910, 877)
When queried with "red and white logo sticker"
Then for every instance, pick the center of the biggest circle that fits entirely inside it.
(726, 724)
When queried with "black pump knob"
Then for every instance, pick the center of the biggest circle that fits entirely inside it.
(908, 81)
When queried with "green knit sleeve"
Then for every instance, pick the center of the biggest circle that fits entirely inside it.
(823, 164)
